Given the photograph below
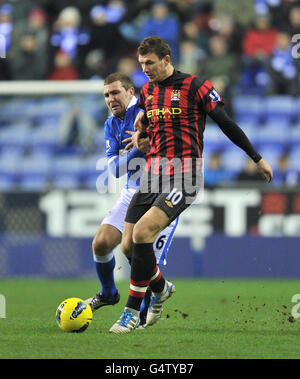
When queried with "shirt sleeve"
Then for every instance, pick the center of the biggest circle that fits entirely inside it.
(207, 96)
(112, 145)
(234, 132)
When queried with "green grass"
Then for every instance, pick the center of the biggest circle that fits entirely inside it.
(204, 319)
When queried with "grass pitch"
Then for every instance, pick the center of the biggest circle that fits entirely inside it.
(204, 319)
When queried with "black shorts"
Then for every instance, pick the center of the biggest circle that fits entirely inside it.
(173, 199)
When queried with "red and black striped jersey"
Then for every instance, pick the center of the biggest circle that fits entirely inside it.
(176, 109)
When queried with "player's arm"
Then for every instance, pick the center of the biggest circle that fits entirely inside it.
(239, 138)
(116, 161)
(139, 138)
(118, 164)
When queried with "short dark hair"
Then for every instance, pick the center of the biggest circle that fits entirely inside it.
(156, 45)
(119, 76)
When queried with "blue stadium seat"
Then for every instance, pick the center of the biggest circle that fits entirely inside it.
(67, 172)
(16, 135)
(280, 109)
(7, 182)
(294, 140)
(251, 130)
(35, 164)
(34, 182)
(295, 159)
(234, 159)
(44, 136)
(214, 138)
(66, 181)
(274, 134)
(248, 109)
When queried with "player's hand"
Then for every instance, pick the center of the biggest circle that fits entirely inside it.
(265, 170)
(138, 125)
(136, 141)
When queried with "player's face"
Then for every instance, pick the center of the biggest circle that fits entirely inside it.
(156, 69)
(117, 98)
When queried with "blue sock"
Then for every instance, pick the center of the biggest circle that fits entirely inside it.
(105, 270)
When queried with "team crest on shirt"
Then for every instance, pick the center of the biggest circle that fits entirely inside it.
(175, 96)
(149, 97)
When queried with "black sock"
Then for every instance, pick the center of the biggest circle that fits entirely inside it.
(143, 263)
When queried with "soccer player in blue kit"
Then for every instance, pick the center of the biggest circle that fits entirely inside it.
(119, 97)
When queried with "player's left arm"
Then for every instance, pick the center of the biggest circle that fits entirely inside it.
(239, 138)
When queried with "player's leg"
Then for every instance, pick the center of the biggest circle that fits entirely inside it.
(105, 241)
(160, 246)
(109, 236)
(144, 270)
(145, 232)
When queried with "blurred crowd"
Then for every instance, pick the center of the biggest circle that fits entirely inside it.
(239, 45)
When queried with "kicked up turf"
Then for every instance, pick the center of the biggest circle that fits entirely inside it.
(203, 319)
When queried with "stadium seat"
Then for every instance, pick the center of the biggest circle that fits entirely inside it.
(34, 182)
(16, 135)
(7, 182)
(248, 109)
(67, 165)
(274, 134)
(214, 137)
(295, 159)
(280, 109)
(234, 159)
(66, 181)
(294, 136)
(44, 136)
(35, 164)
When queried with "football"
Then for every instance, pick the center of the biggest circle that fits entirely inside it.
(74, 315)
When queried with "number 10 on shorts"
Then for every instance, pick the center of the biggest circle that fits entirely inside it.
(174, 196)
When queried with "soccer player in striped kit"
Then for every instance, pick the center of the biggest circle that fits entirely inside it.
(176, 106)
(119, 97)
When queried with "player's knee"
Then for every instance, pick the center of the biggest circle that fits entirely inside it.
(126, 247)
(101, 245)
(145, 232)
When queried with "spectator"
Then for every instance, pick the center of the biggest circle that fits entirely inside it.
(249, 173)
(77, 128)
(68, 36)
(129, 66)
(95, 65)
(231, 31)
(162, 24)
(284, 176)
(282, 70)
(258, 45)
(221, 68)
(294, 20)
(105, 33)
(260, 40)
(63, 67)
(190, 57)
(29, 56)
(215, 173)
(191, 32)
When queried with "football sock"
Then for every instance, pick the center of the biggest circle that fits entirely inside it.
(145, 305)
(157, 282)
(105, 270)
(143, 263)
